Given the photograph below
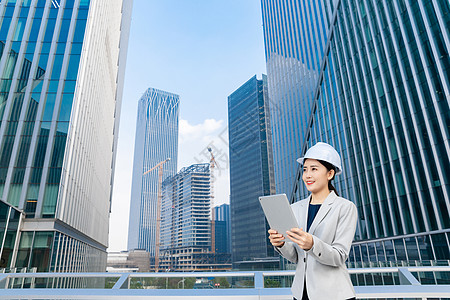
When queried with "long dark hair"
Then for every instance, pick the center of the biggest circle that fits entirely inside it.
(330, 167)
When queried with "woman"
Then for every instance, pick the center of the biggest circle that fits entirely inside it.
(327, 225)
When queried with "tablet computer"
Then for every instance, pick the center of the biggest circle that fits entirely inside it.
(278, 213)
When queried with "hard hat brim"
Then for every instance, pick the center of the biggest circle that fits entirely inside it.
(301, 159)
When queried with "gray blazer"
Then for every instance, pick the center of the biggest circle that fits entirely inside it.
(323, 266)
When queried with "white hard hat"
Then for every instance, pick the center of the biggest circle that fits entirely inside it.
(325, 152)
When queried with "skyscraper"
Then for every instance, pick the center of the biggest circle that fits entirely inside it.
(293, 65)
(62, 66)
(380, 95)
(251, 169)
(222, 223)
(186, 224)
(156, 140)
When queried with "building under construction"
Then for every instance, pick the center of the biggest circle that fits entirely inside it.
(185, 241)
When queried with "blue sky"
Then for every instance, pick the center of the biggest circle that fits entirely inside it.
(202, 50)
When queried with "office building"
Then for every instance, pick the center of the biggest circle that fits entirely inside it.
(10, 220)
(62, 66)
(222, 223)
(128, 261)
(156, 140)
(186, 223)
(251, 170)
(379, 93)
(293, 65)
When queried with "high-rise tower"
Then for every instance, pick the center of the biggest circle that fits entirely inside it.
(156, 140)
(62, 66)
(295, 38)
(186, 223)
(251, 170)
(223, 228)
(378, 90)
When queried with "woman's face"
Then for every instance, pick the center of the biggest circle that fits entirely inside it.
(316, 176)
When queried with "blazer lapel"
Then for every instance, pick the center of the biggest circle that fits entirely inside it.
(323, 211)
(301, 212)
(304, 212)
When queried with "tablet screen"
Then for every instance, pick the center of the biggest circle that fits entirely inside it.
(278, 213)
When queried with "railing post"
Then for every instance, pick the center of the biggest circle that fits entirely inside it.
(259, 280)
(4, 281)
(121, 282)
(406, 278)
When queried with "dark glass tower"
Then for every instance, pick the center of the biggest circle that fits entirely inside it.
(380, 95)
(222, 228)
(251, 169)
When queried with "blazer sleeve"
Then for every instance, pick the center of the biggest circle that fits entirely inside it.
(288, 251)
(336, 254)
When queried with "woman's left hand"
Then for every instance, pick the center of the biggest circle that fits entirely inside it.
(301, 238)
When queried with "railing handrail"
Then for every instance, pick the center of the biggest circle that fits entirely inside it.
(131, 274)
(409, 286)
(371, 270)
(217, 274)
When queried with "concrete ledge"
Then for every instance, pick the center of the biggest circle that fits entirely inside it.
(367, 292)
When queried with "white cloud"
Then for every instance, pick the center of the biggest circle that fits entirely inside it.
(192, 149)
(195, 138)
(204, 131)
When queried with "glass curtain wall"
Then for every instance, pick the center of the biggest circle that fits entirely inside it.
(251, 169)
(381, 99)
(10, 219)
(61, 84)
(41, 44)
(156, 140)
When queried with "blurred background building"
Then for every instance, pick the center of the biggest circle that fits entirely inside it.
(62, 66)
(128, 261)
(370, 78)
(156, 140)
(251, 174)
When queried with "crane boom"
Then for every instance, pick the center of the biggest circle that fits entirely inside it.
(212, 164)
(157, 166)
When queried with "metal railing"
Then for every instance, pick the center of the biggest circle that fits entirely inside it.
(370, 283)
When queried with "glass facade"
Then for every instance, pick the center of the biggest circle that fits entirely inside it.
(424, 249)
(50, 94)
(10, 219)
(54, 251)
(37, 92)
(156, 140)
(251, 169)
(220, 231)
(223, 236)
(381, 98)
(295, 34)
(34, 250)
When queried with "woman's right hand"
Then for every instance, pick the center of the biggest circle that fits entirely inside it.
(276, 239)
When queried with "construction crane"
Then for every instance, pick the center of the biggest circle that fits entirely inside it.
(212, 164)
(159, 166)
